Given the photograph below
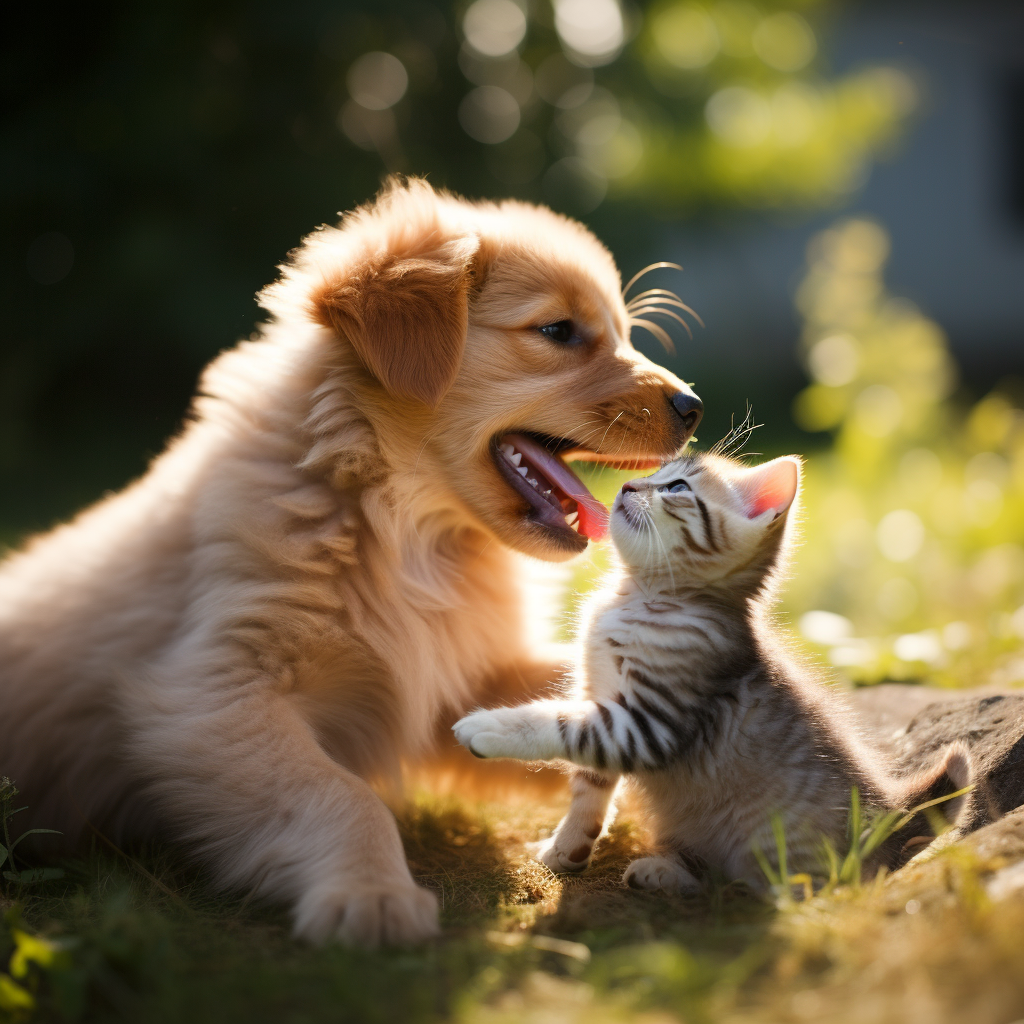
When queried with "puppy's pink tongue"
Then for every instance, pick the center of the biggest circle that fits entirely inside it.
(593, 516)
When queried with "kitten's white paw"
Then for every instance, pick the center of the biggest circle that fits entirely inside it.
(486, 734)
(660, 873)
(558, 858)
(368, 916)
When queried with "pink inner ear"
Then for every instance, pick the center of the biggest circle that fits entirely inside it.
(768, 487)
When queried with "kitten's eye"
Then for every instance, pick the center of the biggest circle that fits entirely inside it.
(675, 487)
(561, 332)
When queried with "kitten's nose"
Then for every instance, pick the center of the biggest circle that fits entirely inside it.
(689, 407)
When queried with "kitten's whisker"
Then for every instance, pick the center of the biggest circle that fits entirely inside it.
(737, 436)
(655, 543)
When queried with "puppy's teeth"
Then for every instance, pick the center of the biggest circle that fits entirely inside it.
(522, 471)
(508, 450)
(516, 458)
(575, 526)
(571, 519)
(530, 480)
(547, 492)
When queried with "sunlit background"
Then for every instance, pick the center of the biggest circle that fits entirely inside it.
(843, 184)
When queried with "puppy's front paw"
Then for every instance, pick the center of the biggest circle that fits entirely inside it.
(487, 734)
(664, 873)
(368, 916)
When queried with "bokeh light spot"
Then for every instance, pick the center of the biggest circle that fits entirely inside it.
(957, 636)
(739, 116)
(997, 570)
(494, 27)
(489, 114)
(591, 31)
(878, 410)
(923, 646)
(987, 466)
(852, 653)
(900, 535)
(372, 130)
(822, 627)
(736, 21)
(834, 361)
(797, 113)
(1017, 622)
(984, 502)
(377, 80)
(784, 41)
(685, 36)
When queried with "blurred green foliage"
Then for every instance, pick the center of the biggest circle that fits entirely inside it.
(680, 106)
(913, 520)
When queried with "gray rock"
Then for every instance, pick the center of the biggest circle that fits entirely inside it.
(1003, 840)
(885, 710)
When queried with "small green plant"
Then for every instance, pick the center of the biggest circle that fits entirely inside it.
(780, 880)
(8, 793)
(867, 834)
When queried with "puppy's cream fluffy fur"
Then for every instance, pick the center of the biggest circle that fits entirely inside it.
(318, 575)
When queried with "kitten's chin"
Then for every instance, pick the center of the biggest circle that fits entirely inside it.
(632, 545)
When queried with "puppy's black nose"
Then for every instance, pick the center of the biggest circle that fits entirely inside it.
(689, 407)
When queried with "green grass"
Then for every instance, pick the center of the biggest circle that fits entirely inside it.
(150, 942)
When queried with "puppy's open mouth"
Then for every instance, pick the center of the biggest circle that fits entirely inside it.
(559, 501)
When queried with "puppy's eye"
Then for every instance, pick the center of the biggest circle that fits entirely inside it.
(562, 332)
(675, 487)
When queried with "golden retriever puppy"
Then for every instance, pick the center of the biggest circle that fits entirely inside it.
(319, 574)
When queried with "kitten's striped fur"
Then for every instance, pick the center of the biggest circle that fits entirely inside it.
(682, 687)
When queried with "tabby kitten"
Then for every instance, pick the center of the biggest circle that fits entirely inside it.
(682, 687)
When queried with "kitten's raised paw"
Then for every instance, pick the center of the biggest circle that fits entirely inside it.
(368, 916)
(555, 857)
(665, 873)
(484, 734)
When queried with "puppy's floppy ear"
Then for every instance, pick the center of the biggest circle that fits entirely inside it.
(406, 316)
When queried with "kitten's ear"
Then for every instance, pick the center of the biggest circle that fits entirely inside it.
(771, 487)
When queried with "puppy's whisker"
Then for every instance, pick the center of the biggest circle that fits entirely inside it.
(658, 311)
(663, 265)
(657, 331)
(662, 295)
(609, 427)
